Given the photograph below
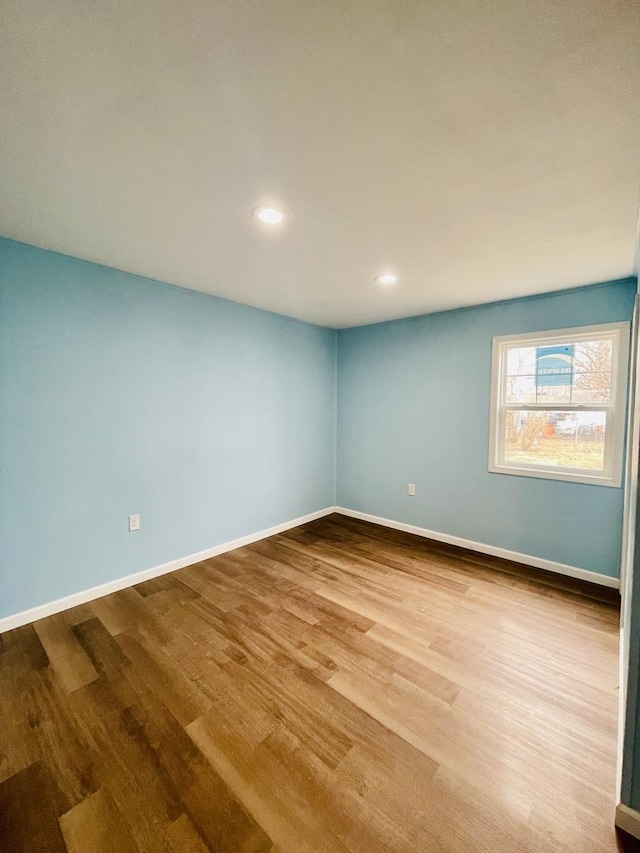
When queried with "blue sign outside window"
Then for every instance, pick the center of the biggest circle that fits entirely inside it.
(554, 365)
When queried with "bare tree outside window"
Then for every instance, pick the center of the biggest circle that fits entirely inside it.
(593, 365)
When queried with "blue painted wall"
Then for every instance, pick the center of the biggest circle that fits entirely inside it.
(213, 420)
(413, 407)
(122, 395)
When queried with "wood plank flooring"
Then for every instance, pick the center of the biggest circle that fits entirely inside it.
(340, 687)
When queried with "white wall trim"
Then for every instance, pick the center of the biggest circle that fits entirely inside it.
(515, 556)
(27, 616)
(628, 819)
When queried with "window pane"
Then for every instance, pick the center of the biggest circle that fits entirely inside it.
(577, 373)
(592, 372)
(521, 360)
(521, 389)
(556, 439)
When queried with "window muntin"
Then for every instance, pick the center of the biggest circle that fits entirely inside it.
(557, 408)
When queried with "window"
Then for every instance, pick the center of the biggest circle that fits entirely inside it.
(558, 404)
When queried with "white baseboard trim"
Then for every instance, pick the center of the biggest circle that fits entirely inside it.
(492, 550)
(628, 819)
(25, 617)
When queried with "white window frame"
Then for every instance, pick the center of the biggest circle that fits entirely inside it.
(611, 475)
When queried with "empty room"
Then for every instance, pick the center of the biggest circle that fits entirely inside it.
(319, 426)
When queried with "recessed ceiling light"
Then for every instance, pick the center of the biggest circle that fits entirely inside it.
(386, 278)
(269, 215)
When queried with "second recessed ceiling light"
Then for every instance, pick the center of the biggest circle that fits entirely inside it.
(269, 215)
(386, 278)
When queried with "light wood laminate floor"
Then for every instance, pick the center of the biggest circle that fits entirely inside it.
(339, 687)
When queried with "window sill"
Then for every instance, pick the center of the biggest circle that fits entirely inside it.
(563, 476)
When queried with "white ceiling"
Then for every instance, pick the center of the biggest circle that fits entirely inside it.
(483, 149)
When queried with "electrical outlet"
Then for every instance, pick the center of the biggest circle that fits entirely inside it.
(411, 489)
(134, 523)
